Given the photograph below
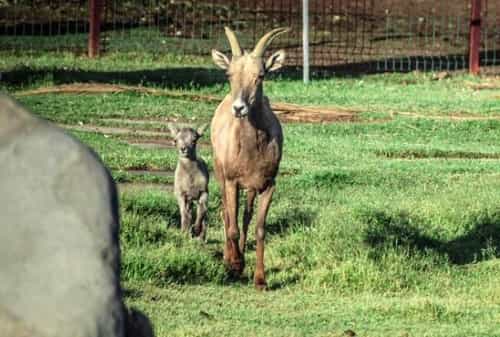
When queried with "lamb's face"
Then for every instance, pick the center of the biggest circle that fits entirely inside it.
(185, 141)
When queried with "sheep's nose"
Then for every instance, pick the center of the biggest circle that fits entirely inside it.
(239, 110)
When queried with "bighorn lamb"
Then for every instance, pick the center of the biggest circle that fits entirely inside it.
(247, 144)
(191, 180)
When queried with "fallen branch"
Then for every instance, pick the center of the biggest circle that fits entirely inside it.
(485, 85)
(448, 117)
(100, 88)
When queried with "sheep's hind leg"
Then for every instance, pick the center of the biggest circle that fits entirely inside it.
(185, 210)
(260, 234)
(200, 228)
(247, 217)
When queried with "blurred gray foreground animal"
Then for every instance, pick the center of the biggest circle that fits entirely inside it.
(59, 248)
(191, 180)
(247, 142)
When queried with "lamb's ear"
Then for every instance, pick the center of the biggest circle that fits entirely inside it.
(275, 61)
(201, 130)
(174, 131)
(220, 59)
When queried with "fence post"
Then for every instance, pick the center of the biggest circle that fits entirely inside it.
(305, 39)
(475, 36)
(95, 8)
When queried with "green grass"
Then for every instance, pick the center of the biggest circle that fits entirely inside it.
(388, 93)
(386, 226)
(212, 311)
(72, 108)
(120, 156)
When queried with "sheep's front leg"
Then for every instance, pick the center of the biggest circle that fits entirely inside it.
(185, 210)
(200, 229)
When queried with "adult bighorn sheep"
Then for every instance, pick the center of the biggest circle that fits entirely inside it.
(247, 143)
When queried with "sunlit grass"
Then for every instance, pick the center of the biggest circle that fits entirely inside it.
(386, 228)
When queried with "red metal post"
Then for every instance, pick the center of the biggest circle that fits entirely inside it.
(95, 9)
(475, 36)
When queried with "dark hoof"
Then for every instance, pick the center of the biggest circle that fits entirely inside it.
(233, 276)
(237, 266)
(201, 238)
(197, 232)
(260, 284)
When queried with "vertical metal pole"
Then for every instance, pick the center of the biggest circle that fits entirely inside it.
(305, 39)
(95, 8)
(475, 36)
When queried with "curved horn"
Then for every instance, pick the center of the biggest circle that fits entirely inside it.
(266, 40)
(233, 42)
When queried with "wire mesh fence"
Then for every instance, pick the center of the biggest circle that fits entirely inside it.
(47, 25)
(350, 35)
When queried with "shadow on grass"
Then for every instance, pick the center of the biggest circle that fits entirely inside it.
(328, 179)
(276, 278)
(132, 293)
(281, 224)
(289, 219)
(482, 241)
(189, 77)
(186, 77)
(286, 221)
(280, 278)
(404, 64)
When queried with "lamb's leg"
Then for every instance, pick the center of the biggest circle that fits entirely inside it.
(247, 217)
(260, 233)
(185, 210)
(200, 228)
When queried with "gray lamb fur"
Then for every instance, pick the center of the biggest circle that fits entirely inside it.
(191, 180)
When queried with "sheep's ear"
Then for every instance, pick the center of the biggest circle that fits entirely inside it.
(220, 59)
(173, 130)
(275, 61)
(201, 130)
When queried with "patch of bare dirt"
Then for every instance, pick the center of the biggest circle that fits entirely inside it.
(492, 83)
(160, 173)
(151, 143)
(316, 117)
(137, 186)
(145, 139)
(140, 122)
(101, 88)
(108, 130)
(306, 114)
(151, 121)
(452, 117)
(287, 113)
(148, 124)
(158, 143)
